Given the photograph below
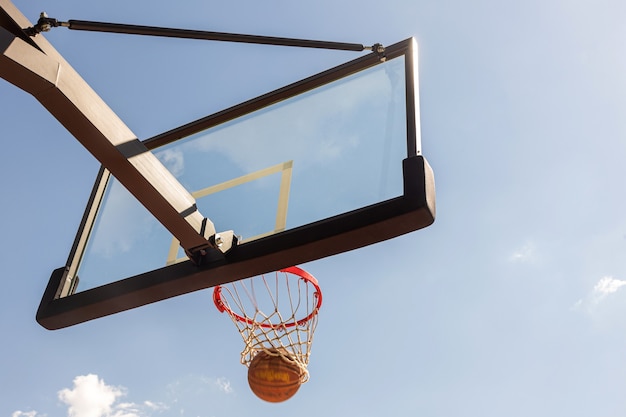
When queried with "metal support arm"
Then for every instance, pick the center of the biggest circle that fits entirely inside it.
(45, 23)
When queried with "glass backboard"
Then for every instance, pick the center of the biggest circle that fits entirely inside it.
(325, 165)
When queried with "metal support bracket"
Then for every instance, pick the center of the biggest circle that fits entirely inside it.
(218, 245)
(45, 23)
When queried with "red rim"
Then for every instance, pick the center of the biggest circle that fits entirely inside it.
(222, 307)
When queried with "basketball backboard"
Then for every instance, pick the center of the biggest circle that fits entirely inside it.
(326, 165)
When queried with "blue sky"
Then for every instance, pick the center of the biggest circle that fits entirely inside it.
(511, 304)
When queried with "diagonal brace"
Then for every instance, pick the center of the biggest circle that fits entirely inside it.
(42, 72)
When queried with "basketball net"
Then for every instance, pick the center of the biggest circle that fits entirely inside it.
(274, 313)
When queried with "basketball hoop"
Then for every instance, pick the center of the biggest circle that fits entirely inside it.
(274, 313)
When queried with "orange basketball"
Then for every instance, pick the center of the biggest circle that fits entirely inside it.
(273, 378)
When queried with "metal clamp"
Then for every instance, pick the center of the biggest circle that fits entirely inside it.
(379, 49)
(44, 24)
(216, 248)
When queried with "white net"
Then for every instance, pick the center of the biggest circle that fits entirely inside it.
(275, 313)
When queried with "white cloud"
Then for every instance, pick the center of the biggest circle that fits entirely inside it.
(26, 414)
(605, 287)
(608, 285)
(90, 397)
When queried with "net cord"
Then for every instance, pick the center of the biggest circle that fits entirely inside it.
(273, 331)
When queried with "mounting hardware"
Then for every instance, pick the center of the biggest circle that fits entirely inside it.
(379, 49)
(218, 240)
(44, 24)
(224, 241)
(218, 245)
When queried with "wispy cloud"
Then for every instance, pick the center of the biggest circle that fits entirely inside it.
(224, 385)
(155, 406)
(604, 288)
(173, 159)
(526, 253)
(26, 414)
(192, 386)
(607, 285)
(123, 222)
(310, 128)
